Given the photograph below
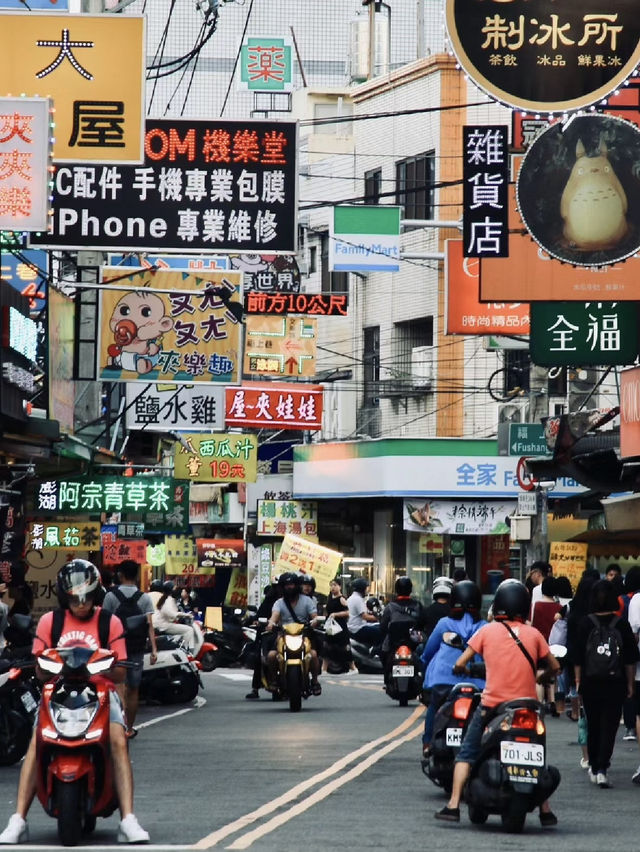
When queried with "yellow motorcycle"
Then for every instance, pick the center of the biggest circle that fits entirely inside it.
(293, 649)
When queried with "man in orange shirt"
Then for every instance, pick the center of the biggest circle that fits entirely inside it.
(509, 675)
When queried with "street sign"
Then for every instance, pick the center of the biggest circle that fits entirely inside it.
(523, 476)
(527, 439)
(527, 503)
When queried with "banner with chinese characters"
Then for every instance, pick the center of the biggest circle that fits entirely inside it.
(237, 591)
(322, 304)
(281, 517)
(217, 458)
(26, 134)
(583, 333)
(568, 559)
(99, 103)
(485, 182)
(630, 413)
(104, 494)
(174, 520)
(63, 535)
(221, 186)
(27, 274)
(280, 346)
(61, 322)
(465, 313)
(458, 517)
(219, 553)
(307, 557)
(175, 407)
(169, 336)
(275, 406)
(180, 554)
(12, 537)
(268, 273)
(121, 549)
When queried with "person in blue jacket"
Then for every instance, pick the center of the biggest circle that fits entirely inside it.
(438, 657)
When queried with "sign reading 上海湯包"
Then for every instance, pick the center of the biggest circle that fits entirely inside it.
(485, 183)
(542, 56)
(280, 346)
(266, 64)
(99, 101)
(26, 134)
(185, 332)
(63, 535)
(459, 517)
(274, 406)
(365, 238)
(221, 186)
(217, 458)
(322, 304)
(105, 494)
(283, 517)
(192, 408)
(583, 333)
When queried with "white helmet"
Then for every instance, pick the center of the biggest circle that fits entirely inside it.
(442, 586)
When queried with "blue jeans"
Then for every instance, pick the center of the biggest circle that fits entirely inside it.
(470, 748)
(368, 635)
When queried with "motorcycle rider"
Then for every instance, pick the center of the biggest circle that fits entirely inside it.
(168, 619)
(362, 624)
(509, 675)
(78, 584)
(403, 610)
(291, 607)
(441, 593)
(271, 594)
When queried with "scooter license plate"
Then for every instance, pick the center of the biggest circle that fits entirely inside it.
(521, 754)
(402, 671)
(454, 737)
(28, 702)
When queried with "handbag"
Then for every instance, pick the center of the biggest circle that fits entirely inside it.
(331, 626)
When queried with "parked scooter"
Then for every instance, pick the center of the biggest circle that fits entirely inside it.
(404, 679)
(235, 643)
(293, 648)
(174, 678)
(19, 700)
(207, 653)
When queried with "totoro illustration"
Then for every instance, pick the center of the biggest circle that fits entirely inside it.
(593, 204)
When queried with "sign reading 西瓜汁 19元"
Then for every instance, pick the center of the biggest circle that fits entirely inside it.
(583, 333)
(171, 326)
(105, 494)
(99, 101)
(217, 458)
(192, 408)
(205, 186)
(485, 185)
(365, 238)
(545, 56)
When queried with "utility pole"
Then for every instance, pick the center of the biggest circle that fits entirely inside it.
(372, 38)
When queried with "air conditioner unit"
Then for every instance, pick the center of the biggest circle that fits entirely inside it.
(557, 406)
(422, 367)
(513, 412)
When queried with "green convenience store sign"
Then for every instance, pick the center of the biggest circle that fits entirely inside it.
(365, 239)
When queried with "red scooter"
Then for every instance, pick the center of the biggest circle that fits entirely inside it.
(75, 775)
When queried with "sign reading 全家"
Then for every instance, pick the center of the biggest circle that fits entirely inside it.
(105, 494)
(485, 184)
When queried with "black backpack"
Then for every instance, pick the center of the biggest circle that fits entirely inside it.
(136, 637)
(603, 652)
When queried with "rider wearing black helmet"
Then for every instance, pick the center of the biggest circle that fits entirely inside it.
(465, 597)
(362, 624)
(511, 673)
(400, 616)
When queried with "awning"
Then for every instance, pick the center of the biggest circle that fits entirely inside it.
(617, 543)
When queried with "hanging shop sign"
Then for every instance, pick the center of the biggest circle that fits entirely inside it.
(535, 55)
(589, 211)
(365, 238)
(630, 413)
(281, 517)
(63, 535)
(99, 103)
(26, 270)
(20, 333)
(322, 304)
(306, 557)
(195, 263)
(180, 554)
(12, 538)
(173, 520)
(583, 333)
(18, 350)
(275, 406)
(225, 510)
(214, 553)
(217, 458)
(192, 408)
(237, 590)
(205, 186)
(121, 549)
(458, 517)
(568, 559)
(266, 64)
(268, 273)
(26, 134)
(465, 313)
(280, 346)
(485, 182)
(61, 326)
(146, 335)
(105, 494)
(130, 530)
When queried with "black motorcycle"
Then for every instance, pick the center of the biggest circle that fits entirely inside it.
(19, 701)
(235, 643)
(403, 678)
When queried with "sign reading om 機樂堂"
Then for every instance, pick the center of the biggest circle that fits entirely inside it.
(105, 494)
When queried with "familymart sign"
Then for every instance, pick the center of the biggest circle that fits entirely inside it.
(365, 239)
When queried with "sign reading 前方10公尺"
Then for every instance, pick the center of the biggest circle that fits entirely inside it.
(217, 458)
(365, 238)
(105, 494)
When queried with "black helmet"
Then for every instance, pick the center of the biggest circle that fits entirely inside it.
(465, 597)
(308, 580)
(168, 586)
(80, 579)
(511, 601)
(156, 586)
(360, 584)
(404, 586)
(289, 578)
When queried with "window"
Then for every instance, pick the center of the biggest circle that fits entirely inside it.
(516, 370)
(333, 109)
(372, 186)
(406, 336)
(414, 186)
(371, 362)
(313, 259)
(332, 282)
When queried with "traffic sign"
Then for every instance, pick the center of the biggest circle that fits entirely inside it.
(525, 480)
(527, 439)
(527, 503)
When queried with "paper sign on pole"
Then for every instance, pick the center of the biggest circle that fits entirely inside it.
(305, 557)
(568, 559)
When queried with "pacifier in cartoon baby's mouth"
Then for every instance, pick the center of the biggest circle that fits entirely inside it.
(125, 332)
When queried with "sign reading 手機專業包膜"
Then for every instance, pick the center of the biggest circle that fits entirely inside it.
(104, 494)
(365, 238)
(485, 184)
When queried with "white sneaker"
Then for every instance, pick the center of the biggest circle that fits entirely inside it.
(130, 831)
(601, 781)
(584, 763)
(17, 831)
(593, 778)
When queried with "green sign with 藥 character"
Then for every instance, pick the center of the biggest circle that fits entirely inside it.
(565, 334)
(105, 494)
(266, 64)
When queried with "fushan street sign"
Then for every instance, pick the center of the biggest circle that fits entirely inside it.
(527, 439)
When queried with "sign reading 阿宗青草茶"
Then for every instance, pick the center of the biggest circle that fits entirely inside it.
(196, 408)
(104, 494)
(217, 458)
(306, 557)
(485, 183)
(274, 406)
(365, 238)
(280, 517)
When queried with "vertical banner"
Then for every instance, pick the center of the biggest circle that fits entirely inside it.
(630, 413)
(485, 176)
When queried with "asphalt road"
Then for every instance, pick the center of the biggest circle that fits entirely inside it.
(342, 774)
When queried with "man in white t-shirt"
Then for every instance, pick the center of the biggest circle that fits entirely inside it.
(362, 624)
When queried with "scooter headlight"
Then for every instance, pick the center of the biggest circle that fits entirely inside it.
(73, 722)
(294, 643)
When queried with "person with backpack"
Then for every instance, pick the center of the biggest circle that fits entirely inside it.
(605, 658)
(126, 601)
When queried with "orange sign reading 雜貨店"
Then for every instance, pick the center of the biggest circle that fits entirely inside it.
(465, 313)
(530, 275)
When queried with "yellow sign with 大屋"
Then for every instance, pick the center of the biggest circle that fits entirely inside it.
(93, 68)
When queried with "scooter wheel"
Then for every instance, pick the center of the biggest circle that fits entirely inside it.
(514, 818)
(478, 816)
(209, 661)
(68, 807)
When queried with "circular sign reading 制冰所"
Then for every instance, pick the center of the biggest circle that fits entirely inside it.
(578, 190)
(545, 55)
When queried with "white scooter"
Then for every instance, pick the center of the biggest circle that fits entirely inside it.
(174, 678)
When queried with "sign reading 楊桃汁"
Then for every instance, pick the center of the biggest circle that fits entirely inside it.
(321, 304)
(105, 494)
(280, 517)
(365, 238)
(170, 326)
(194, 408)
(217, 458)
(280, 346)
(274, 406)
(63, 535)
(543, 56)
(26, 134)
(221, 186)
(266, 64)
(458, 517)
(98, 98)
(485, 183)
(306, 557)
(583, 333)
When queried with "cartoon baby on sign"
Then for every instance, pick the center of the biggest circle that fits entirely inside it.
(138, 322)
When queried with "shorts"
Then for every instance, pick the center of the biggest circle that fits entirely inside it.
(470, 748)
(134, 674)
